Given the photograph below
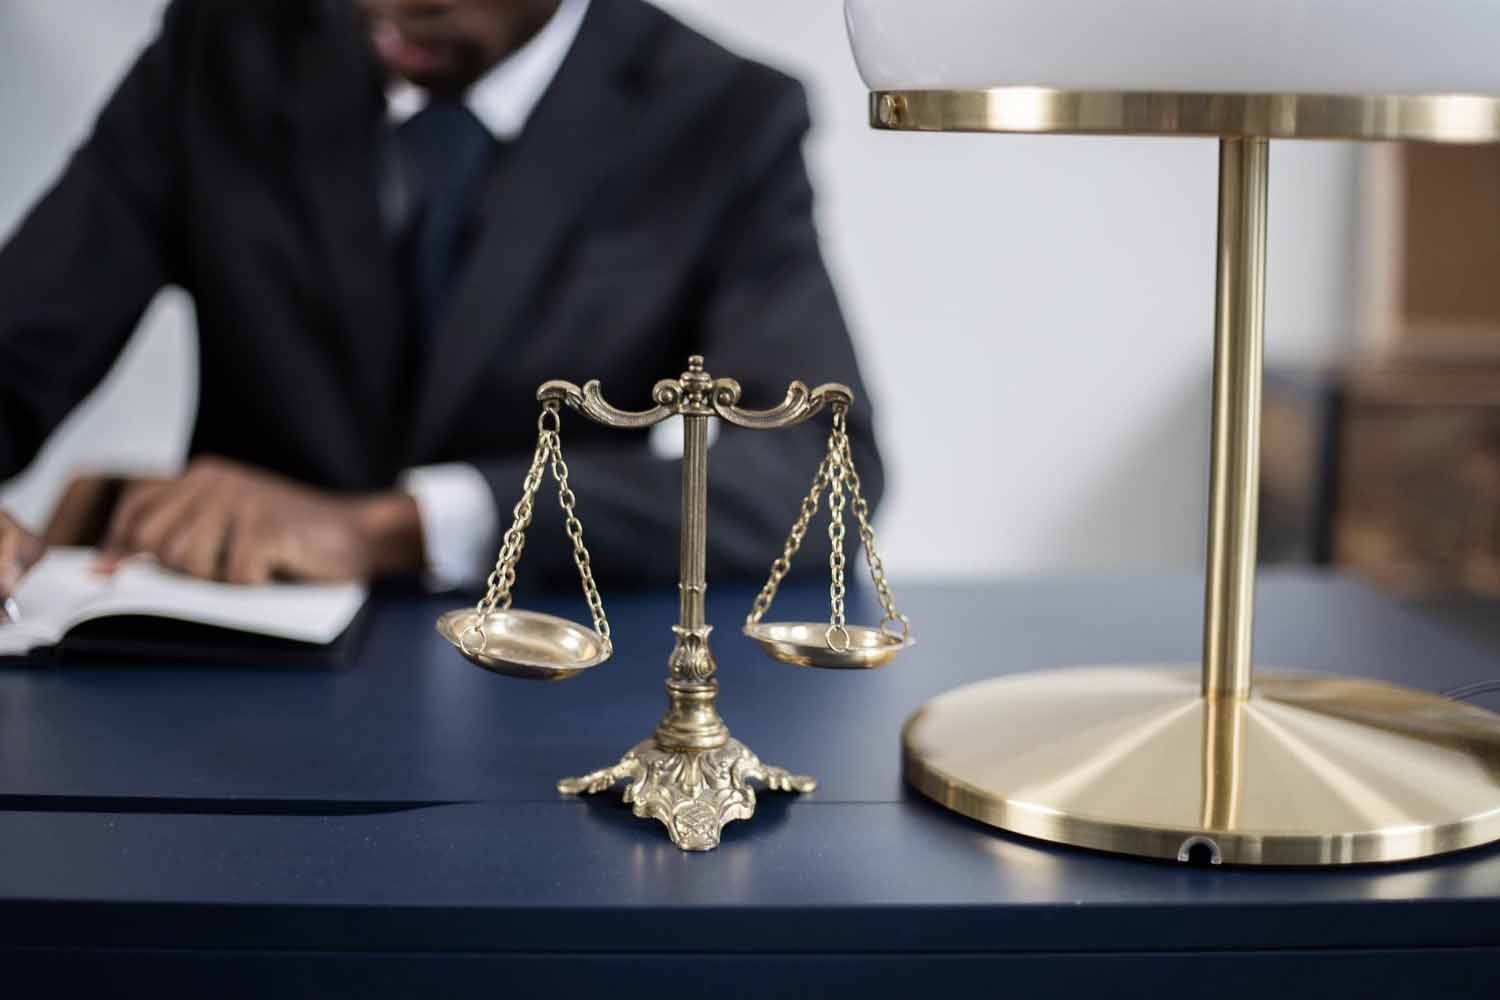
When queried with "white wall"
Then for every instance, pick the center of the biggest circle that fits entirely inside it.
(58, 61)
(1034, 313)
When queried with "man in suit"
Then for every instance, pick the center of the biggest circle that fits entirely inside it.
(396, 218)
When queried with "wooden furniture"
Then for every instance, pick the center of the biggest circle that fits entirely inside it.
(1429, 267)
(1389, 471)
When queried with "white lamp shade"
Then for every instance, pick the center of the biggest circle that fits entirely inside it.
(1208, 46)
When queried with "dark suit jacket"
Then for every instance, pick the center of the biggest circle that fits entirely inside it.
(656, 206)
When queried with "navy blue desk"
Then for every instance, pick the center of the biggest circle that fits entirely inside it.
(390, 826)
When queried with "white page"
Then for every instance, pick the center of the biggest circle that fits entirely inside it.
(304, 612)
(49, 596)
(63, 590)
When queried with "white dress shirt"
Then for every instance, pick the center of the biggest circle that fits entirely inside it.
(460, 519)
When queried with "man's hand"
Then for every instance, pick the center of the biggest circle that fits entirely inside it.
(226, 521)
(19, 551)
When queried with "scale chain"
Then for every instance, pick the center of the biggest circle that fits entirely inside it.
(503, 577)
(867, 538)
(567, 500)
(783, 563)
(836, 561)
(835, 473)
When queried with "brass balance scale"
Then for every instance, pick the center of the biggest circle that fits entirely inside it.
(691, 775)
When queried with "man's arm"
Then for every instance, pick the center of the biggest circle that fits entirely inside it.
(769, 316)
(224, 520)
(86, 261)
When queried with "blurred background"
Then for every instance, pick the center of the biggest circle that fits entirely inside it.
(1034, 317)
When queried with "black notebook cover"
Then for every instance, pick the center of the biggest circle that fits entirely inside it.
(141, 638)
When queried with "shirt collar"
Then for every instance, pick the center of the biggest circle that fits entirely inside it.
(504, 98)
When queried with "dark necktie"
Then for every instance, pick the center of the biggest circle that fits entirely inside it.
(445, 154)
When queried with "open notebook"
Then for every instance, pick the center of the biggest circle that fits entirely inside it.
(145, 611)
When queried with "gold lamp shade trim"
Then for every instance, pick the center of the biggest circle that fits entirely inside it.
(1449, 118)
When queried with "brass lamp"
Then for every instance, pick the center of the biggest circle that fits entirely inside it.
(1222, 763)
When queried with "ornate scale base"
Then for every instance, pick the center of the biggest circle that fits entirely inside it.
(690, 774)
(1308, 770)
(695, 793)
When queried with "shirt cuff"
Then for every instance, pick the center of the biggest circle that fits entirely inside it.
(459, 522)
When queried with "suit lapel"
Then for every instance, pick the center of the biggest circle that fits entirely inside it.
(536, 196)
(338, 106)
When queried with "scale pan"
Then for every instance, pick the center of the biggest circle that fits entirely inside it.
(805, 644)
(525, 644)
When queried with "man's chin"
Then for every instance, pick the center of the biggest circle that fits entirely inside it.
(423, 65)
(430, 81)
(446, 78)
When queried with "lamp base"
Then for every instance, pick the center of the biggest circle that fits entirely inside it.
(1309, 770)
(695, 793)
